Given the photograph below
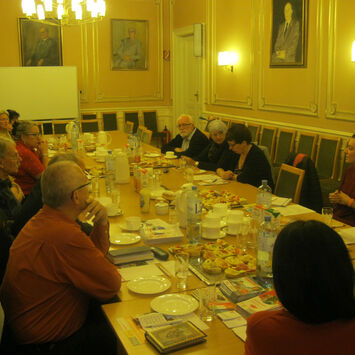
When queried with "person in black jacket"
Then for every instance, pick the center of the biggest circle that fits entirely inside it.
(209, 157)
(189, 142)
(244, 162)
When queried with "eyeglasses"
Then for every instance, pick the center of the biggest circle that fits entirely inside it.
(79, 187)
(183, 125)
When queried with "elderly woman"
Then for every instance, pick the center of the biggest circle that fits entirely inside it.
(245, 162)
(4, 124)
(209, 157)
(343, 198)
(33, 152)
(314, 281)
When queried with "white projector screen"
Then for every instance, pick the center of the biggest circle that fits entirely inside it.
(40, 93)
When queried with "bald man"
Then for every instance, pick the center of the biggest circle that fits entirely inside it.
(189, 142)
(54, 270)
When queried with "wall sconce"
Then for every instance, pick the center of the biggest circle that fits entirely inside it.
(353, 52)
(228, 60)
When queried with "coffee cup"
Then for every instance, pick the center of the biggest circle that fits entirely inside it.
(212, 220)
(133, 222)
(210, 232)
(235, 222)
(101, 154)
(235, 216)
(161, 208)
(170, 154)
(220, 209)
(89, 138)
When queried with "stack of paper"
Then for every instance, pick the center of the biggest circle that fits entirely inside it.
(157, 231)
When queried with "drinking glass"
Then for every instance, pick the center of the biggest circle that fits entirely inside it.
(207, 298)
(327, 213)
(181, 270)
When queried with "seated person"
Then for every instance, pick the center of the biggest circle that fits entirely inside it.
(314, 280)
(189, 142)
(344, 209)
(245, 162)
(209, 157)
(4, 124)
(33, 203)
(55, 270)
(33, 151)
(14, 121)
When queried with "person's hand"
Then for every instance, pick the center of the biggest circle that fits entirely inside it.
(43, 147)
(96, 210)
(339, 197)
(226, 175)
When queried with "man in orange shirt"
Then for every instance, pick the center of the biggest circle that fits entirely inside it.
(55, 271)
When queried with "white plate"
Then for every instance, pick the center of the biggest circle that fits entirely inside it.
(149, 285)
(173, 157)
(116, 213)
(221, 234)
(125, 239)
(152, 155)
(124, 227)
(174, 304)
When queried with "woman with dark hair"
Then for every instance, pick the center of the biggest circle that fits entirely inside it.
(344, 198)
(245, 162)
(209, 157)
(13, 117)
(314, 280)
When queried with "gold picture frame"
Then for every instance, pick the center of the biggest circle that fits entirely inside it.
(289, 33)
(129, 40)
(40, 42)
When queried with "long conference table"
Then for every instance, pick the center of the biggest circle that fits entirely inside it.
(219, 337)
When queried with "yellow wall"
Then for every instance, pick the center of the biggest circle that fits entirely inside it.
(89, 49)
(321, 95)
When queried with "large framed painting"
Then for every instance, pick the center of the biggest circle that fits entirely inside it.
(40, 42)
(289, 33)
(129, 44)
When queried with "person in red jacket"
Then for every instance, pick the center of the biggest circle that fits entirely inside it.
(314, 280)
(56, 272)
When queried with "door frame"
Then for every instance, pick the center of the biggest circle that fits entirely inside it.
(179, 36)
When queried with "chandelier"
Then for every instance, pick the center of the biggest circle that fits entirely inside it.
(69, 12)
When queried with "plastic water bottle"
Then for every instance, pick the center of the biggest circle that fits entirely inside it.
(75, 136)
(122, 174)
(194, 216)
(109, 171)
(266, 241)
(264, 195)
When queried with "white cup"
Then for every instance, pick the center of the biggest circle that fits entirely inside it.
(235, 216)
(211, 232)
(212, 220)
(101, 154)
(220, 209)
(234, 228)
(161, 208)
(88, 138)
(133, 222)
(170, 154)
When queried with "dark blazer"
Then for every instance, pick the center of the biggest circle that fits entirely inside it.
(208, 159)
(255, 168)
(197, 143)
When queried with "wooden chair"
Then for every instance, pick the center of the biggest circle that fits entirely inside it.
(226, 121)
(58, 127)
(268, 138)
(128, 127)
(289, 182)
(89, 126)
(132, 116)
(47, 128)
(150, 122)
(109, 120)
(254, 129)
(88, 116)
(284, 145)
(147, 136)
(140, 131)
(307, 144)
(327, 156)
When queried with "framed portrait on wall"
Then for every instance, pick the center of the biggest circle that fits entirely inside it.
(40, 42)
(129, 44)
(289, 33)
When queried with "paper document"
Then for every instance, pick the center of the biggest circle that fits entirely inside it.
(293, 210)
(348, 235)
(241, 332)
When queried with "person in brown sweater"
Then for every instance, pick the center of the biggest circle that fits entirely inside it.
(55, 270)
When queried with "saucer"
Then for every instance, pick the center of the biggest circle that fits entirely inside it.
(219, 235)
(172, 157)
(118, 212)
(221, 225)
(126, 228)
(125, 239)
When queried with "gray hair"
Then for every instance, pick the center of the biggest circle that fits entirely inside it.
(4, 144)
(185, 115)
(23, 128)
(64, 157)
(58, 182)
(216, 126)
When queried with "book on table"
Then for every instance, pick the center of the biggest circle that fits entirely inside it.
(175, 337)
(157, 231)
(241, 289)
(131, 254)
